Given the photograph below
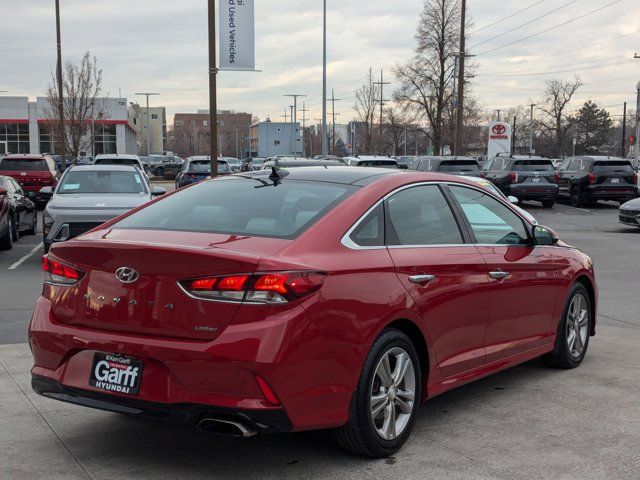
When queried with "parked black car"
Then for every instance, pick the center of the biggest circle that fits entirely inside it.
(18, 214)
(197, 169)
(452, 165)
(524, 177)
(165, 166)
(585, 180)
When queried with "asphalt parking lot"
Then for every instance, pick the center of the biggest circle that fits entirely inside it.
(526, 423)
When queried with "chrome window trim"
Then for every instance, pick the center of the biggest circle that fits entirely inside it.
(350, 244)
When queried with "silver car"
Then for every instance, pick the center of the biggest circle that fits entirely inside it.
(88, 196)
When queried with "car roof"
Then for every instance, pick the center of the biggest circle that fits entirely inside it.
(302, 162)
(118, 156)
(446, 158)
(24, 156)
(331, 174)
(602, 158)
(103, 168)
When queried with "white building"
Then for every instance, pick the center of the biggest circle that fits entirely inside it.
(270, 139)
(24, 127)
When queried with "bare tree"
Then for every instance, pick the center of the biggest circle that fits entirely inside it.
(367, 97)
(399, 121)
(426, 80)
(82, 87)
(557, 96)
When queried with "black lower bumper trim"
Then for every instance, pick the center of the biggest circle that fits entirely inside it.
(263, 421)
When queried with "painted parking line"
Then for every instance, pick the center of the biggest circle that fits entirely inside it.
(575, 208)
(26, 257)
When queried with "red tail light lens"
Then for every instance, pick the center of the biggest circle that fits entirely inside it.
(635, 178)
(483, 175)
(513, 177)
(556, 178)
(268, 288)
(58, 273)
(592, 178)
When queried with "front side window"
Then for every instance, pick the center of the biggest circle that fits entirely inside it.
(491, 221)
(420, 216)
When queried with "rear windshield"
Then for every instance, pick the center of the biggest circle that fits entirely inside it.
(242, 206)
(204, 166)
(534, 166)
(23, 165)
(459, 166)
(612, 167)
(101, 182)
(377, 163)
(117, 161)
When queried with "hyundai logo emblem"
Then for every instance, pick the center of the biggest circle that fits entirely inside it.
(127, 275)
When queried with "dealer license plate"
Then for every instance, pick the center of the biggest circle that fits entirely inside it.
(116, 373)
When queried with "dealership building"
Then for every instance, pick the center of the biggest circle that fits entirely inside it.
(25, 127)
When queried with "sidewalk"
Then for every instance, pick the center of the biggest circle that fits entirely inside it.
(527, 423)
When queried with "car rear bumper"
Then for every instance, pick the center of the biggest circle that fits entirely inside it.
(311, 380)
(611, 193)
(533, 191)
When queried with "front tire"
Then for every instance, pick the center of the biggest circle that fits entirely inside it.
(6, 242)
(34, 225)
(548, 203)
(574, 331)
(385, 403)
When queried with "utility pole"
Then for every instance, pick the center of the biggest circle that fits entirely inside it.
(62, 131)
(295, 105)
(624, 131)
(237, 148)
(382, 83)
(513, 136)
(333, 115)
(147, 94)
(304, 128)
(213, 92)
(531, 130)
(460, 102)
(325, 139)
(498, 113)
(292, 132)
(286, 115)
(637, 150)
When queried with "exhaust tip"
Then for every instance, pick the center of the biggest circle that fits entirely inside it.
(229, 428)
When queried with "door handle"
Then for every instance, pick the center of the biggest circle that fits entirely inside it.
(420, 279)
(499, 275)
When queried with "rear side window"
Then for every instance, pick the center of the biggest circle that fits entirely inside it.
(242, 206)
(533, 166)
(420, 216)
(605, 168)
(370, 232)
(23, 165)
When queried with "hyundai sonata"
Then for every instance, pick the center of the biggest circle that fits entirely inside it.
(311, 298)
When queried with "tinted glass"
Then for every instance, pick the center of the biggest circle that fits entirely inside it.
(459, 166)
(204, 166)
(242, 206)
(533, 166)
(23, 165)
(117, 161)
(420, 216)
(377, 164)
(604, 168)
(491, 221)
(370, 232)
(101, 182)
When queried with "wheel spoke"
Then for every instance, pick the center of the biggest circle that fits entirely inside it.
(384, 372)
(578, 345)
(571, 339)
(583, 319)
(404, 399)
(402, 363)
(389, 425)
(378, 403)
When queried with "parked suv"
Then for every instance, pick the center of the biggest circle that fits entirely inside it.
(524, 177)
(589, 179)
(452, 165)
(32, 172)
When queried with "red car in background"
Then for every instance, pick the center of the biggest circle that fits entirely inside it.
(32, 172)
(278, 301)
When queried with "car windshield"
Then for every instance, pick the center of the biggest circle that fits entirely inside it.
(242, 206)
(23, 165)
(204, 166)
(102, 181)
(459, 166)
(533, 166)
(612, 167)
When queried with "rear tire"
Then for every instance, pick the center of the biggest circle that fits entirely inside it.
(576, 197)
(574, 330)
(548, 203)
(160, 172)
(384, 406)
(6, 241)
(34, 226)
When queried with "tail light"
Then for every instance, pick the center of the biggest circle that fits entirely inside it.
(192, 176)
(556, 178)
(483, 175)
(592, 178)
(266, 288)
(635, 178)
(513, 177)
(58, 273)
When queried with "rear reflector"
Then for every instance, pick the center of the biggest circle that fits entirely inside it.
(268, 394)
(267, 288)
(56, 272)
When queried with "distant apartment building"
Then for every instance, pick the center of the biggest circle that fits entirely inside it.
(270, 139)
(191, 133)
(157, 126)
(25, 127)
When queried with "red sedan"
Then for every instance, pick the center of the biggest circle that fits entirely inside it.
(314, 298)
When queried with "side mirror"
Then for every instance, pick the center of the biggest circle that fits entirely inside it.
(157, 191)
(46, 190)
(545, 236)
(513, 200)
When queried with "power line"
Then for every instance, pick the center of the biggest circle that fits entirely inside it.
(508, 17)
(550, 28)
(525, 24)
(549, 72)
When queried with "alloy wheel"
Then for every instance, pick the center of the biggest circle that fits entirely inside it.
(577, 325)
(392, 393)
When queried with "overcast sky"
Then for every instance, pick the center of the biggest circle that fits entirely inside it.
(161, 46)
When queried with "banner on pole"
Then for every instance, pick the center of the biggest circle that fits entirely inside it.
(237, 35)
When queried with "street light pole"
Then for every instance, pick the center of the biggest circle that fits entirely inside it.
(531, 131)
(325, 138)
(213, 98)
(63, 147)
(148, 94)
(637, 150)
